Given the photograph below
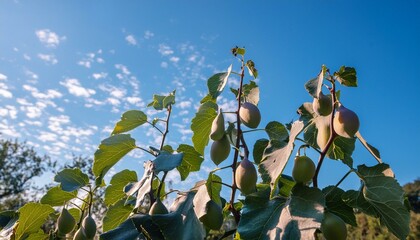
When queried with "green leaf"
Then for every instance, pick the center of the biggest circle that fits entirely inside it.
(200, 200)
(169, 100)
(306, 113)
(286, 184)
(346, 76)
(355, 199)
(192, 227)
(258, 149)
(116, 214)
(370, 148)
(342, 148)
(251, 68)
(336, 205)
(274, 162)
(387, 197)
(260, 219)
(37, 236)
(217, 82)
(303, 213)
(166, 162)
(71, 179)
(277, 131)
(157, 102)
(115, 191)
(6, 217)
(55, 196)
(314, 86)
(201, 126)
(109, 152)
(130, 120)
(214, 187)
(191, 162)
(126, 230)
(31, 217)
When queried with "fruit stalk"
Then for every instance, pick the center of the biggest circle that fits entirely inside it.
(332, 135)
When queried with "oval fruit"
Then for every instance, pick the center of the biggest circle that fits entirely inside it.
(303, 170)
(346, 122)
(246, 177)
(79, 235)
(250, 115)
(65, 222)
(220, 150)
(333, 227)
(322, 105)
(218, 127)
(323, 134)
(213, 218)
(158, 208)
(89, 227)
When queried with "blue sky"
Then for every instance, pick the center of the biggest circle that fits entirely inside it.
(69, 69)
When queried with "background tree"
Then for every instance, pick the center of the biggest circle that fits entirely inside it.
(19, 164)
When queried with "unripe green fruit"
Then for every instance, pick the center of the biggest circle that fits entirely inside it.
(213, 219)
(89, 227)
(158, 208)
(220, 150)
(79, 235)
(246, 177)
(218, 127)
(303, 170)
(346, 122)
(322, 105)
(250, 115)
(323, 135)
(333, 227)
(65, 222)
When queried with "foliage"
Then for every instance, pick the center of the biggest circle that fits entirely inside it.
(276, 208)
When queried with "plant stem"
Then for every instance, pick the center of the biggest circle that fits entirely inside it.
(154, 126)
(148, 151)
(330, 140)
(341, 180)
(253, 130)
(220, 168)
(225, 184)
(232, 209)
(161, 147)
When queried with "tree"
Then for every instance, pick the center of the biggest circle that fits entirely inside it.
(281, 206)
(19, 164)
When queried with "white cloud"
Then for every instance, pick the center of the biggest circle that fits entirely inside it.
(4, 91)
(48, 58)
(123, 69)
(48, 37)
(165, 50)
(99, 75)
(113, 101)
(184, 104)
(75, 88)
(174, 59)
(8, 111)
(3, 77)
(47, 136)
(8, 129)
(84, 63)
(148, 34)
(26, 57)
(33, 111)
(50, 94)
(164, 64)
(133, 100)
(131, 40)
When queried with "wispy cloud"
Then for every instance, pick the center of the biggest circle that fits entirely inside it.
(165, 50)
(131, 39)
(48, 58)
(49, 94)
(49, 38)
(148, 34)
(75, 88)
(99, 75)
(3, 77)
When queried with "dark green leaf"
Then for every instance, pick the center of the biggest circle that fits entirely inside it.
(71, 179)
(387, 197)
(303, 213)
(306, 112)
(286, 184)
(157, 102)
(347, 76)
(217, 83)
(214, 187)
(6, 217)
(109, 152)
(166, 162)
(55, 196)
(31, 217)
(116, 214)
(336, 205)
(259, 220)
(342, 148)
(130, 120)
(258, 149)
(191, 162)
(201, 126)
(115, 191)
(126, 230)
(274, 162)
(277, 131)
